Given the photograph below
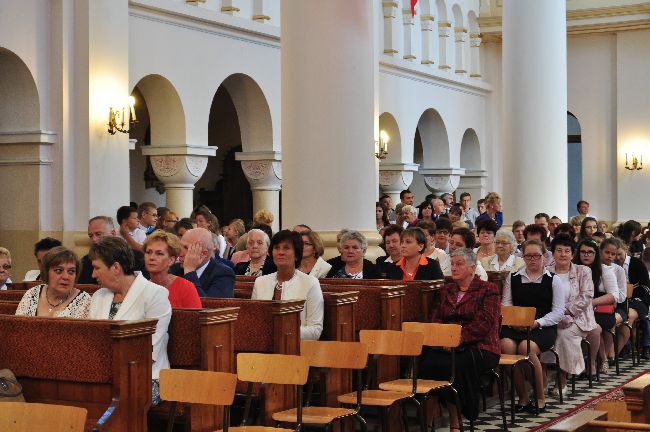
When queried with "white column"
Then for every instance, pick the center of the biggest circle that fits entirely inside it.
(230, 7)
(534, 107)
(263, 170)
(442, 180)
(427, 23)
(328, 119)
(261, 10)
(179, 168)
(460, 38)
(392, 28)
(444, 31)
(474, 55)
(408, 22)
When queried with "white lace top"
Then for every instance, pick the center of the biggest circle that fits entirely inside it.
(77, 308)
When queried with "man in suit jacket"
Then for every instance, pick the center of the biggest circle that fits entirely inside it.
(198, 266)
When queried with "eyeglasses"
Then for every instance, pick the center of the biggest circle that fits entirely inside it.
(587, 252)
(532, 257)
(153, 214)
(6, 266)
(502, 243)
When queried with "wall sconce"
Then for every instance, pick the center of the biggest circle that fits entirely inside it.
(117, 120)
(382, 145)
(636, 163)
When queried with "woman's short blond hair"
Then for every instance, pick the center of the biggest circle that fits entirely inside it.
(264, 217)
(491, 199)
(315, 240)
(4, 252)
(172, 241)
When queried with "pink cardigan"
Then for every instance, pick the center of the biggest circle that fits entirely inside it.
(581, 292)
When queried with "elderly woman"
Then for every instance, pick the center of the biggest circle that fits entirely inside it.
(605, 294)
(312, 251)
(486, 229)
(414, 264)
(353, 246)
(431, 250)
(578, 318)
(492, 209)
(533, 286)
(204, 218)
(57, 297)
(289, 283)
(504, 259)
(463, 238)
(257, 247)
(5, 268)
(161, 249)
(474, 304)
(127, 295)
(410, 216)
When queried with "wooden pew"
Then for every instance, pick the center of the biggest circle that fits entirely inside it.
(498, 278)
(17, 294)
(101, 365)
(23, 285)
(631, 415)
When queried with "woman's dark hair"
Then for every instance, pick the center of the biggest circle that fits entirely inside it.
(59, 255)
(596, 269)
(535, 229)
(468, 236)
(583, 224)
(210, 217)
(443, 223)
(422, 205)
(46, 244)
(628, 231)
(267, 229)
(612, 241)
(384, 216)
(183, 223)
(392, 229)
(533, 242)
(487, 224)
(563, 240)
(291, 237)
(564, 228)
(417, 234)
(428, 227)
(112, 250)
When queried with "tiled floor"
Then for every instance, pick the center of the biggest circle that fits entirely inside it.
(491, 419)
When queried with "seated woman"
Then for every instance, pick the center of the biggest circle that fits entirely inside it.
(257, 248)
(353, 246)
(414, 264)
(486, 229)
(537, 232)
(312, 251)
(431, 251)
(474, 304)
(588, 228)
(127, 295)
(533, 286)
(5, 268)
(425, 211)
(161, 249)
(57, 297)
(504, 258)
(492, 209)
(578, 318)
(444, 228)
(288, 283)
(381, 218)
(605, 294)
(410, 216)
(463, 238)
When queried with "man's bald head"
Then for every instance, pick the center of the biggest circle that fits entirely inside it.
(199, 235)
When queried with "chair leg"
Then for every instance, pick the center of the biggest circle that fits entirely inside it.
(557, 374)
(362, 422)
(420, 412)
(458, 408)
(405, 419)
(512, 395)
(384, 419)
(497, 377)
(534, 383)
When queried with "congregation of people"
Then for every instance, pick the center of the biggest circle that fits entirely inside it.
(575, 274)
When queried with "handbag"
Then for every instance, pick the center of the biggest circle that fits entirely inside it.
(604, 309)
(10, 388)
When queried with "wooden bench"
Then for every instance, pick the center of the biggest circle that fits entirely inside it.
(100, 365)
(631, 415)
(17, 294)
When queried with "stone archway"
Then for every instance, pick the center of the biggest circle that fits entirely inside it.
(473, 181)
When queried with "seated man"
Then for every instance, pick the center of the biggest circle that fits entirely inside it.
(5, 268)
(100, 227)
(127, 219)
(197, 265)
(40, 249)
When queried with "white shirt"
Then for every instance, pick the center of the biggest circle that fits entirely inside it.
(442, 258)
(139, 234)
(320, 269)
(3, 287)
(621, 281)
(31, 275)
(200, 270)
(559, 295)
(608, 283)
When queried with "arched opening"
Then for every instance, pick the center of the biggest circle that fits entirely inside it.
(430, 149)
(240, 121)
(574, 162)
(22, 171)
(388, 124)
(161, 121)
(470, 151)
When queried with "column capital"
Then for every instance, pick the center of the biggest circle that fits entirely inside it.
(180, 165)
(475, 40)
(442, 180)
(389, 8)
(394, 178)
(444, 29)
(426, 22)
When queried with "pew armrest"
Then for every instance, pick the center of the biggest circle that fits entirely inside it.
(578, 422)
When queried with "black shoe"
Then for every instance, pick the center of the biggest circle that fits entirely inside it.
(645, 354)
(612, 362)
(531, 408)
(521, 408)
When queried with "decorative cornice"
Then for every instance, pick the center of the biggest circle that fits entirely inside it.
(229, 9)
(28, 137)
(25, 161)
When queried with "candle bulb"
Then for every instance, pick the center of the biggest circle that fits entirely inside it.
(625, 159)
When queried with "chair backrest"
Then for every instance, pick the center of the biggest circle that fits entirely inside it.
(436, 335)
(200, 387)
(36, 417)
(392, 342)
(517, 316)
(333, 354)
(630, 290)
(272, 368)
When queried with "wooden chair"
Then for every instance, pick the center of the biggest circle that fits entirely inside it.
(197, 387)
(523, 317)
(434, 335)
(330, 355)
(392, 343)
(271, 369)
(36, 417)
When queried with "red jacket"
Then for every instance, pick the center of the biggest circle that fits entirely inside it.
(478, 312)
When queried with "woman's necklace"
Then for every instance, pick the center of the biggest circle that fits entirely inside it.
(54, 306)
(414, 270)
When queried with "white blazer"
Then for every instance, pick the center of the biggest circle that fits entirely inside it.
(300, 287)
(320, 269)
(144, 300)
